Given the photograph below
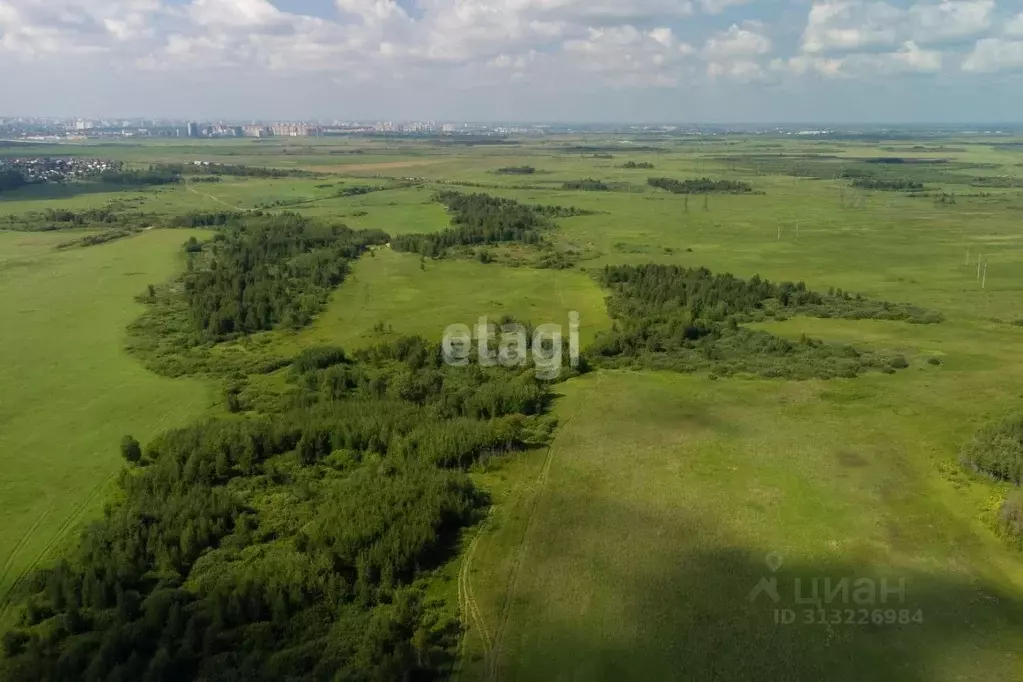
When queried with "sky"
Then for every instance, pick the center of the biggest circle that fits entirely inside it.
(727, 61)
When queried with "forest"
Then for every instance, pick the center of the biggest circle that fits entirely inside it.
(11, 179)
(587, 184)
(268, 270)
(516, 170)
(479, 219)
(218, 169)
(296, 543)
(689, 319)
(137, 178)
(700, 186)
(888, 184)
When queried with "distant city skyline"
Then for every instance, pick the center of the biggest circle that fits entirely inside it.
(613, 61)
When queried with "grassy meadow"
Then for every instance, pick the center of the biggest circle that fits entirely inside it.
(628, 548)
(70, 391)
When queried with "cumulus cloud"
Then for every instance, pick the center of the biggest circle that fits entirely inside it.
(908, 58)
(738, 41)
(950, 20)
(994, 54)
(34, 29)
(857, 25)
(1015, 26)
(719, 6)
(554, 44)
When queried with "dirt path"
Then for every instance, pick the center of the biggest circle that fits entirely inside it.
(493, 648)
(193, 190)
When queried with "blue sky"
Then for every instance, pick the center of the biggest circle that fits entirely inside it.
(582, 60)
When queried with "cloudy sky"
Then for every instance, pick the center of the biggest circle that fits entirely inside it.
(549, 60)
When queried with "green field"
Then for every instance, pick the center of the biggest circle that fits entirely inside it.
(629, 547)
(70, 391)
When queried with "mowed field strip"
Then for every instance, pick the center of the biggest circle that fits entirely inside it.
(70, 390)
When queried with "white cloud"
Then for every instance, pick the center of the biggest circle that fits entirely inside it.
(719, 6)
(950, 20)
(1015, 26)
(31, 29)
(857, 25)
(849, 25)
(737, 42)
(994, 54)
(909, 58)
(742, 70)
(628, 57)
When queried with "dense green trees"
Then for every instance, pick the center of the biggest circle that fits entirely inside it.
(516, 170)
(700, 186)
(997, 451)
(152, 176)
(218, 169)
(688, 319)
(888, 184)
(484, 219)
(587, 184)
(11, 179)
(637, 165)
(289, 544)
(268, 270)
(131, 450)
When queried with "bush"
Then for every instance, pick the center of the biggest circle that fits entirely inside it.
(997, 451)
(1010, 519)
(319, 357)
(131, 450)
(899, 362)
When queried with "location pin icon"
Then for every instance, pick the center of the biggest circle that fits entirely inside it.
(773, 561)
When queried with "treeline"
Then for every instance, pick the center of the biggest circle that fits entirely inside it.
(138, 178)
(294, 544)
(483, 219)
(50, 220)
(11, 179)
(888, 184)
(269, 270)
(688, 319)
(634, 165)
(100, 237)
(210, 218)
(587, 184)
(996, 451)
(700, 186)
(218, 169)
(516, 170)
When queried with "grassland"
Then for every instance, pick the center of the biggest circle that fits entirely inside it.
(628, 549)
(70, 391)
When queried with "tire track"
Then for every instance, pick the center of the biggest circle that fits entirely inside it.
(493, 673)
(9, 564)
(467, 604)
(71, 520)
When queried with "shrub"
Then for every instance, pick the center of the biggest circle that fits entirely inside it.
(319, 357)
(131, 450)
(1010, 519)
(997, 450)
